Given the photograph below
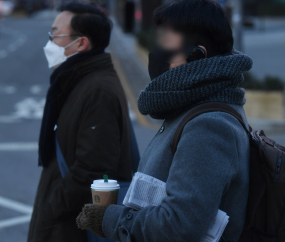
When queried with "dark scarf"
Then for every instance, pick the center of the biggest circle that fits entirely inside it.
(182, 88)
(52, 110)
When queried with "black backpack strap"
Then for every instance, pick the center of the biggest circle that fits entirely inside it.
(201, 109)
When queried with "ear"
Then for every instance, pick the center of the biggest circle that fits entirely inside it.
(84, 44)
(205, 50)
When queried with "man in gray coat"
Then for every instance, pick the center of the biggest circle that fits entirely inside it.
(194, 64)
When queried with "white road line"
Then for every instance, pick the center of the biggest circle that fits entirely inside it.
(29, 146)
(15, 221)
(20, 40)
(35, 89)
(16, 206)
(3, 54)
(12, 47)
(9, 119)
(8, 89)
(29, 108)
(132, 114)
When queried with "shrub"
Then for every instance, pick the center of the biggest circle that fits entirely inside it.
(146, 38)
(251, 82)
(269, 83)
(273, 83)
(268, 8)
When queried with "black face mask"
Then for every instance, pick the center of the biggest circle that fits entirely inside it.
(159, 61)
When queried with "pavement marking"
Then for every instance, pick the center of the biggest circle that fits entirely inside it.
(8, 89)
(16, 206)
(19, 146)
(3, 54)
(29, 108)
(132, 114)
(9, 119)
(20, 40)
(15, 221)
(12, 47)
(35, 89)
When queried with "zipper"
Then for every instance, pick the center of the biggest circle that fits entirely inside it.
(279, 162)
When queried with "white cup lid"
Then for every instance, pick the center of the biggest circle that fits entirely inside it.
(100, 185)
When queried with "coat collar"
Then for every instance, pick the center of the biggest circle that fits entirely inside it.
(69, 78)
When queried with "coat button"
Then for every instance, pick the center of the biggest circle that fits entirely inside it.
(129, 216)
(161, 129)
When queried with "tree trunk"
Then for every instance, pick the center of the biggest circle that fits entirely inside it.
(148, 6)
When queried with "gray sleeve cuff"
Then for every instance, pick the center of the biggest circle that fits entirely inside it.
(112, 223)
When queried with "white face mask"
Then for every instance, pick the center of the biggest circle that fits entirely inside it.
(55, 54)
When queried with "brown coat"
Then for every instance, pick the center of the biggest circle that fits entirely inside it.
(93, 134)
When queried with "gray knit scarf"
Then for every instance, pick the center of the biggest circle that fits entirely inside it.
(213, 79)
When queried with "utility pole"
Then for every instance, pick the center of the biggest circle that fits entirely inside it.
(237, 23)
(148, 6)
(129, 18)
(57, 3)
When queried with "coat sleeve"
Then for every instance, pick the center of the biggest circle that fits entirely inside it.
(203, 167)
(97, 153)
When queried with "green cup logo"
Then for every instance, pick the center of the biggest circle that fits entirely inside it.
(96, 199)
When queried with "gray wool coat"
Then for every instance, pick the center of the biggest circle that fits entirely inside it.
(209, 171)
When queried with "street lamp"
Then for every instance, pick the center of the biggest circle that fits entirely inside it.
(237, 23)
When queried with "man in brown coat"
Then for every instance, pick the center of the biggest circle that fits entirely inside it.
(85, 128)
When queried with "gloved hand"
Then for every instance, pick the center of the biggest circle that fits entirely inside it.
(91, 218)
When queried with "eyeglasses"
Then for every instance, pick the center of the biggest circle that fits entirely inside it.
(51, 36)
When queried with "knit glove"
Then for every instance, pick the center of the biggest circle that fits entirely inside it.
(91, 218)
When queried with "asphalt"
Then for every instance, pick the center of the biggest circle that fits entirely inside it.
(24, 78)
(22, 67)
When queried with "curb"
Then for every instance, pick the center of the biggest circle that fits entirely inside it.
(143, 120)
(142, 54)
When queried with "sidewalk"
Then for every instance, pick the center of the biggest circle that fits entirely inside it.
(132, 71)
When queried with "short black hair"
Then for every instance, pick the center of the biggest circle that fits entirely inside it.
(204, 20)
(89, 21)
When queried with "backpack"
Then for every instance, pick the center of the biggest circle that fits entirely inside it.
(265, 220)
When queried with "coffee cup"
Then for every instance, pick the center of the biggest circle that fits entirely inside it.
(105, 191)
